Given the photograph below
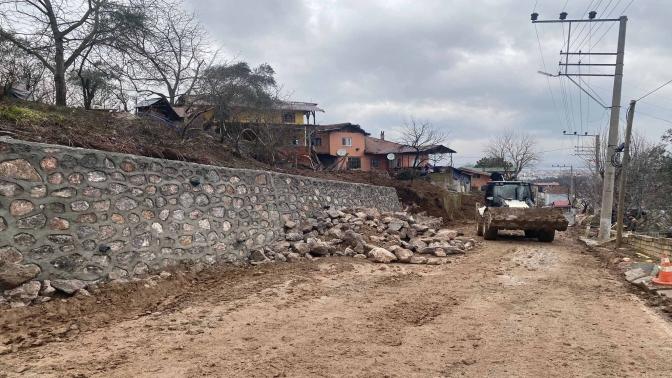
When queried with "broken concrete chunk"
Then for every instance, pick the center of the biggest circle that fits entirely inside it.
(634, 274)
(13, 275)
(403, 255)
(381, 255)
(24, 293)
(68, 286)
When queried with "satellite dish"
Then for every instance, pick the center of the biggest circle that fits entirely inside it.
(341, 152)
(390, 156)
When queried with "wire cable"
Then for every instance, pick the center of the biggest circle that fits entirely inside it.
(655, 90)
(648, 115)
(580, 103)
(643, 102)
(547, 78)
(582, 44)
(598, 96)
(612, 25)
(565, 103)
(571, 103)
(584, 24)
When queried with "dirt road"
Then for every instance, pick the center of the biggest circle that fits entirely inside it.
(513, 308)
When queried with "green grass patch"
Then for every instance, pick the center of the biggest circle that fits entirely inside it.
(22, 115)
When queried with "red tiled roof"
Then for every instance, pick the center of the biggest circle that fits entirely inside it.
(474, 172)
(301, 106)
(380, 146)
(556, 190)
(560, 203)
(339, 127)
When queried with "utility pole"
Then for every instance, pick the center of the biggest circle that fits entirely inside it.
(609, 169)
(624, 167)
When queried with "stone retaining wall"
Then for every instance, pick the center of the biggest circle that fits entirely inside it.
(653, 247)
(84, 214)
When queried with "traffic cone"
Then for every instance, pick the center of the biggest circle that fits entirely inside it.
(664, 272)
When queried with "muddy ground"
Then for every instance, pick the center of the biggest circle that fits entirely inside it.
(512, 308)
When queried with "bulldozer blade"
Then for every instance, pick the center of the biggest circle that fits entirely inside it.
(509, 218)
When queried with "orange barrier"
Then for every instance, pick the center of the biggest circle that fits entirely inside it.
(665, 272)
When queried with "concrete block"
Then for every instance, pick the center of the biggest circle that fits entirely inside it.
(634, 274)
(643, 280)
(651, 269)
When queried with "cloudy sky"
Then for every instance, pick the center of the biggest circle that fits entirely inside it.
(469, 67)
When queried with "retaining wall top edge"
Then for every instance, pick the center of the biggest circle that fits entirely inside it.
(158, 160)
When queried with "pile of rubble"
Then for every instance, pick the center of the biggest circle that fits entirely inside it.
(366, 233)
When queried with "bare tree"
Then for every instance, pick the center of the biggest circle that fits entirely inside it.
(521, 150)
(168, 55)
(421, 136)
(20, 70)
(57, 33)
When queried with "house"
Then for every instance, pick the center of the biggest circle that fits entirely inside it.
(347, 139)
(380, 150)
(452, 179)
(287, 112)
(545, 185)
(478, 178)
(553, 194)
(358, 150)
(160, 107)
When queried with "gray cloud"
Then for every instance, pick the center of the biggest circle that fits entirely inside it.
(467, 66)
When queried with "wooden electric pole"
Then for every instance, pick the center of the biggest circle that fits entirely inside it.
(624, 168)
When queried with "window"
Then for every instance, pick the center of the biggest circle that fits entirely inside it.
(347, 142)
(296, 142)
(288, 117)
(477, 176)
(396, 163)
(374, 163)
(354, 162)
(317, 142)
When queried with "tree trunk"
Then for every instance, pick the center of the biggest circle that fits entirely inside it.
(59, 75)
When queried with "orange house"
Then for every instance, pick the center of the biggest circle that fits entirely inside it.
(345, 141)
(478, 178)
(350, 147)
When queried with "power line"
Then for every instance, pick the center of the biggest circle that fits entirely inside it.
(612, 25)
(584, 26)
(580, 104)
(636, 87)
(547, 78)
(563, 8)
(599, 26)
(563, 87)
(571, 102)
(648, 115)
(598, 96)
(643, 102)
(535, 6)
(652, 90)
